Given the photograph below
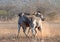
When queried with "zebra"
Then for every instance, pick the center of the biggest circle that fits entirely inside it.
(25, 21)
(39, 18)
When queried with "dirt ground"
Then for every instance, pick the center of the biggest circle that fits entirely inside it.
(50, 33)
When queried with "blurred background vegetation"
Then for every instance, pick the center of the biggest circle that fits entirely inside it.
(9, 9)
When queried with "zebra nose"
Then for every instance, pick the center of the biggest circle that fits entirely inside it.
(43, 19)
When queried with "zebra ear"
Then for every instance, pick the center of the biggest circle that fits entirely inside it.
(19, 14)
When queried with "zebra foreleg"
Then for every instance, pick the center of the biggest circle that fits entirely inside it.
(18, 29)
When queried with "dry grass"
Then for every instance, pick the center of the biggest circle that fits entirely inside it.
(50, 33)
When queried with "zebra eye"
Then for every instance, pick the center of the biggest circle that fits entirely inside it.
(33, 14)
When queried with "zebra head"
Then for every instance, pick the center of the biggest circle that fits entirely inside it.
(38, 14)
(20, 14)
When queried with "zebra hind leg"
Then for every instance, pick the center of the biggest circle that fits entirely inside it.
(24, 30)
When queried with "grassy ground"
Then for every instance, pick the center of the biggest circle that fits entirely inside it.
(50, 33)
(3, 12)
